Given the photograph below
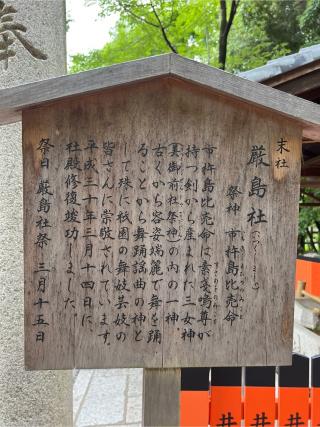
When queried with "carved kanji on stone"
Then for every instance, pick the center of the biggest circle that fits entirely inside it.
(10, 32)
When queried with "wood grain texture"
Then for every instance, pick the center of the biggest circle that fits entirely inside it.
(15, 99)
(193, 199)
(301, 85)
(292, 74)
(161, 397)
(251, 92)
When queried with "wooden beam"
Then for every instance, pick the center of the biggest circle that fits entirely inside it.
(312, 196)
(292, 74)
(310, 172)
(311, 162)
(311, 167)
(262, 96)
(310, 184)
(302, 83)
(161, 397)
(15, 99)
(310, 141)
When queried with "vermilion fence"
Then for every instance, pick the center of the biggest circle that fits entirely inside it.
(255, 396)
(308, 270)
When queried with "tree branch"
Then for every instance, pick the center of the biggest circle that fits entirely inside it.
(171, 17)
(160, 26)
(233, 11)
(137, 17)
(225, 26)
(163, 31)
(223, 10)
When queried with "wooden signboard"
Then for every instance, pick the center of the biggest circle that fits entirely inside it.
(160, 230)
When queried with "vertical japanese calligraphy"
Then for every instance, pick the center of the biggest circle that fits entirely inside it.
(150, 229)
(42, 230)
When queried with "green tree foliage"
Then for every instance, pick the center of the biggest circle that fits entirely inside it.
(128, 43)
(310, 22)
(191, 27)
(271, 30)
(160, 15)
(259, 30)
(278, 20)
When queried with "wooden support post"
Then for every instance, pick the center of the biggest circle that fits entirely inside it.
(300, 288)
(161, 397)
(301, 293)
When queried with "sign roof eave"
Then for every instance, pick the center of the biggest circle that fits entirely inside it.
(15, 99)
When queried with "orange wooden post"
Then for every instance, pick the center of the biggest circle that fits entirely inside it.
(293, 403)
(194, 397)
(315, 391)
(259, 400)
(226, 397)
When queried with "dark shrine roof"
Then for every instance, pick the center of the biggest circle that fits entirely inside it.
(281, 65)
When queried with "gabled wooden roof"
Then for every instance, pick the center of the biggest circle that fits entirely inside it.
(14, 100)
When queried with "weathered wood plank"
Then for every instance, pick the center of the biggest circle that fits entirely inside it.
(44, 268)
(302, 84)
(15, 99)
(292, 74)
(188, 293)
(161, 397)
(262, 96)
